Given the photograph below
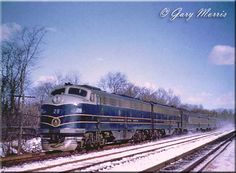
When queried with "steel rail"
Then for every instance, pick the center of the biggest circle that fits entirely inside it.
(159, 167)
(19, 157)
(47, 168)
(32, 157)
(197, 162)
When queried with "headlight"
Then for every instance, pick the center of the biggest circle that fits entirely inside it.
(56, 99)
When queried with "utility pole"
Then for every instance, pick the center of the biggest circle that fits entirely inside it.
(21, 123)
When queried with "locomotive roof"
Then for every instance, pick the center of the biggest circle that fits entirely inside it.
(122, 95)
(90, 87)
(98, 90)
(194, 113)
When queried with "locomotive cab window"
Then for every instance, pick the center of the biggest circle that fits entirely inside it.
(78, 91)
(58, 91)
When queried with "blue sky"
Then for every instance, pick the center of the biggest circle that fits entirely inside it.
(194, 58)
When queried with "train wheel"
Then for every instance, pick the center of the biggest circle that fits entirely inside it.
(89, 141)
(143, 136)
(102, 141)
(157, 134)
(137, 137)
(79, 146)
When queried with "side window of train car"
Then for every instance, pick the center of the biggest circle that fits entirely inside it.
(78, 91)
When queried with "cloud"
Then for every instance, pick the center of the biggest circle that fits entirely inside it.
(222, 55)
(225, 100)
(51, 29)
(198, 98)
(8, 29)
(178, 90)
(195, 100)
(150, 85)
(44, 79)
(100, 59)
(209, 100)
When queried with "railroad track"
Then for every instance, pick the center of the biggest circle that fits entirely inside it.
(26, 158)
(33, 157)
(17, 158)
(191, 159)
(212, 157)
(91, 161)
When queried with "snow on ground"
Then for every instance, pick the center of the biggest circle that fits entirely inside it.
(83, 156)
(137, 163)
(225, 162)
(153, 159)
(130, 164)
(2, 154)
(29, 146)
(33, 145)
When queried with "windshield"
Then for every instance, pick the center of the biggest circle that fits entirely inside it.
(78, 91)
(58, 91)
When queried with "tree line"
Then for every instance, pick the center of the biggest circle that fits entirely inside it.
(19, 56)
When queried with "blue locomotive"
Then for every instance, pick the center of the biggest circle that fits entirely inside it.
(78, 116)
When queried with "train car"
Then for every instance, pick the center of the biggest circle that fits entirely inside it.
(193, 121)
(81, 115)
(166, 119)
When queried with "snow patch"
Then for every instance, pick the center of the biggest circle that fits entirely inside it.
(29, 146)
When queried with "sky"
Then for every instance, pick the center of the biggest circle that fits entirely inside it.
(156, 44)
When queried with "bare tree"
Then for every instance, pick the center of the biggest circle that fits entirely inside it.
(42, 90)
(146, 94)
(19, 56)
(194, 108)
(72, 77)
(161, 96)
(117, 83)
(172, 99)
(226, 115)
(131, 90)
(113, 82)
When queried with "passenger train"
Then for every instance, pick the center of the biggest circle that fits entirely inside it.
(82, 116)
